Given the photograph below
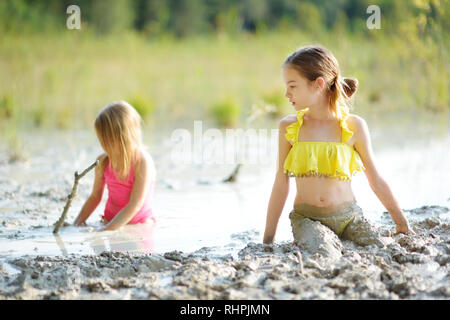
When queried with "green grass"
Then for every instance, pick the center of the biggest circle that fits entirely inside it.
(15, 144)
(226, 112)
(143, 104)
(62, 80)
(7, 106)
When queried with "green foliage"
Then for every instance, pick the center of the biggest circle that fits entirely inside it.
(19, 16)
(51, 75)
(144, 105)
(65, 118)
(309, 17)
(276, 102)
(111, 16)
(227, 21)
(188, 17)
(38, 116)
(16, 145)
(6, 106)
(152, 17)
(226, 112)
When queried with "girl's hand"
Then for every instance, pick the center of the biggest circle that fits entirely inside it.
(110, 227)
(403, 228)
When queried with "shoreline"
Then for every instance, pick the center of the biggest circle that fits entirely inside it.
(404, 267)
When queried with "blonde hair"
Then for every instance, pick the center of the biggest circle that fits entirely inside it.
(118, 128)
(316, 61)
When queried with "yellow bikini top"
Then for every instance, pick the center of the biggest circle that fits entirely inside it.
(321, 158)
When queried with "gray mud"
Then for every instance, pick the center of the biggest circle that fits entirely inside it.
(404, 267)
(400, 267)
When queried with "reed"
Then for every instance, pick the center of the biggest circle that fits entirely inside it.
(61, 80)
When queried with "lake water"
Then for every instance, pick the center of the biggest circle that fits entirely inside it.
(193, 207)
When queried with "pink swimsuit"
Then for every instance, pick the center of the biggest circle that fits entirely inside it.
(119, 196)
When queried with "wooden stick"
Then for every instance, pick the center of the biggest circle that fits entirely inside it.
(233, 176)
(300, 260)
(72, 195)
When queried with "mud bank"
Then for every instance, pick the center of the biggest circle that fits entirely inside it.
(402, 267)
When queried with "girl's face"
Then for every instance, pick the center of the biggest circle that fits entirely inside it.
(299, 90)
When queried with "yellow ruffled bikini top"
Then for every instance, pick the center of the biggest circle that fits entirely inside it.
(321, 158)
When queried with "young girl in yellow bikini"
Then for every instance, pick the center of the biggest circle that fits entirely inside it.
(323, 146)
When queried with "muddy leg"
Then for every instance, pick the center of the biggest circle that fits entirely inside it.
(315, 237)
(362, 232)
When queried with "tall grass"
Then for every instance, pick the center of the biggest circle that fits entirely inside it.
(62, 80)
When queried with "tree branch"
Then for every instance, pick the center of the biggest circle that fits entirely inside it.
(72, 195)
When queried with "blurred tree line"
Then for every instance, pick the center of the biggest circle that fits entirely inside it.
(182, 18)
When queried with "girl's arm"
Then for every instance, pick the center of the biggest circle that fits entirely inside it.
(96, 195)
(144, 172)
(280, 189)
(377, 183)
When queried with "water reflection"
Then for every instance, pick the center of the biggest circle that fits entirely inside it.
(130, 238)
(61, 245)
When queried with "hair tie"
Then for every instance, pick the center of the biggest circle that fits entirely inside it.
(333, 83)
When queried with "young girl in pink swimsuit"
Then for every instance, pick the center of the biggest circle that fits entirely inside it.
(126, 168)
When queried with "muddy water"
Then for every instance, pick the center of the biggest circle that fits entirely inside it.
(199, 214)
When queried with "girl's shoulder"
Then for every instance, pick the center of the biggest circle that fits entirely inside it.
(287, 121)
(145, 161)
(356, 124)
(103, 162)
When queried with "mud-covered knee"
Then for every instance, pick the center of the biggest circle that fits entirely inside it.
(362, 232)
(315, 237)
(297, 223)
